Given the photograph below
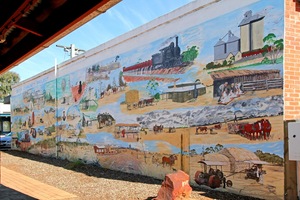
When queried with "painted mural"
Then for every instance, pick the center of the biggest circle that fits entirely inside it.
(207, 100)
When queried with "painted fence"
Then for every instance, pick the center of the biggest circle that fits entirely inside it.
(170, 95)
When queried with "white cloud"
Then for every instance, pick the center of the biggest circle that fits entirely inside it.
(124, 21)
(140, 16)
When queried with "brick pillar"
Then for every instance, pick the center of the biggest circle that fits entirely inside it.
(292, 60)
(291, 89)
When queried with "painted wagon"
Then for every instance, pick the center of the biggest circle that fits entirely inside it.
(261, 129)
(124, 130)
(234, 128)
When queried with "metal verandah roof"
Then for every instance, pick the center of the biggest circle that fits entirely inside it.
(29, 26)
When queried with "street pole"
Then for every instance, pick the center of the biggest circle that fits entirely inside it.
(71, 49)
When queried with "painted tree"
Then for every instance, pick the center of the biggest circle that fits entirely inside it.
(152, 86)
(108, 87)
(193, 152)
(6, 81)
(121, 82)
(114, 82)
(231, 60)
(190, 54)
(269, 157)
(217, 148)
(225, 62)
(116, 59)
(20, 122)
(273, 47)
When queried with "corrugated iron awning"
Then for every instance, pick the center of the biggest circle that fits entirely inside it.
(257, 162)
(213, 163)
(225, 74)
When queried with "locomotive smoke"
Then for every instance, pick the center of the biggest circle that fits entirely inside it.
(169, 40)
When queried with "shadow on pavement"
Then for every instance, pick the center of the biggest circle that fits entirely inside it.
(88, 169)
(7, 193)
(99, 172)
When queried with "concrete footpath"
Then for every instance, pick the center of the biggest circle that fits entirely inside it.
(15, 186)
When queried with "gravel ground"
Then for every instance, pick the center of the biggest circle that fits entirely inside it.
(93, 182)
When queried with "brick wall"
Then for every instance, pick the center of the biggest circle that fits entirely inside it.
(291, 89)
(292, 60)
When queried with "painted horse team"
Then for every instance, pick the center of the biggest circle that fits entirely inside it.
(260, 129)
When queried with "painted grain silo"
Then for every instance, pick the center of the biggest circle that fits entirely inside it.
(219, 50)
(223, 49)
(233, 43)
(252, 31)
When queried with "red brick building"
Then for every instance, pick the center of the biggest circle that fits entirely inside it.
(291, 88)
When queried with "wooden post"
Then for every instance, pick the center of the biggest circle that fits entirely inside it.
(298, 178)
(181, 152)
(290, 168)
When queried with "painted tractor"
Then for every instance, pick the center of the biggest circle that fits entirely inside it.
(214, 178)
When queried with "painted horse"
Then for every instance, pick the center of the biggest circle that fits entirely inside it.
(202, 129)
(169, 160)
(266, 127)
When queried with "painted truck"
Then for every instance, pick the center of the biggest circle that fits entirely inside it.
(199, 89)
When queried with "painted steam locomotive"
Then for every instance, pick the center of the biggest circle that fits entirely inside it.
(168, 57)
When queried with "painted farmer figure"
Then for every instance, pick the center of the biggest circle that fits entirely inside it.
(123, 133)
(64, 117)
(261, 178)
(221, 90)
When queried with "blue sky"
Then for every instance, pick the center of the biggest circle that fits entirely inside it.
(123, 17)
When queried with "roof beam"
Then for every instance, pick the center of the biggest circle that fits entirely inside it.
(20, 12)
(28, 26)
